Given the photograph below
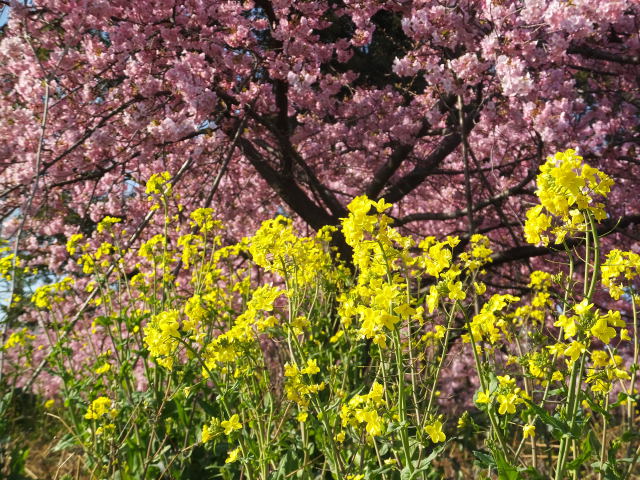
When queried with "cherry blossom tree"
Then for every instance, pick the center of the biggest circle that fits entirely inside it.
(445, 108)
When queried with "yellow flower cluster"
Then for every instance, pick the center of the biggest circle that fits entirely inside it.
(6, 264)
(159, 184)
(194, 246)
(154, 249)
(566, 189)
(161, 337)
(100, 407)
(540, 284)
(379, 298)
(360, 225)
(226, 347)
(586, 319)
(436, 256)
(73, 242)
(618, 265)
(539, 364)
(215, 427)
(276, 247)
(102, 256)
(489, 325)
(605, 369)
(437, 261)
(298, 386)
(203, 219)
(44, 297)
(507, 394)
(107, 223)
(479, 253)
(364, 409)
(198, 311)
(18, 337)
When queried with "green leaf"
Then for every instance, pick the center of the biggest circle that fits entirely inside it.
(506, 471)
(586, 451)
(43, 53)
(425, 463)
(65, 442)
(405, 474)
(484, 460)
(597, 408)
(556, 423)
(629, 436)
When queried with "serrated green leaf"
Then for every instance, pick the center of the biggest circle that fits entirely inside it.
(586, 451)
(506, 471)
(484, 460)
(555, 422)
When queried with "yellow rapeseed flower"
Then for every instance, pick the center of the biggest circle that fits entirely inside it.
(528, 430)
(434, 430)
(233, 455)
(232, 424)
(98, 408)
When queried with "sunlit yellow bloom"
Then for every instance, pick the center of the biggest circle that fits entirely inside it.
(507, 403)
(566, 188)
(432, 299)
(603, 331)
(159, 183)
(455, 291)
(574, 350)
(311, 368)
(105, 224)
(72, 243)
(103, 368)
(18, 337)
(233, 455)
(434, 430)
(207, 433)
(232, 424)
(479, 287)
(599, 358)
(99, 407)
(483, 397)
(528, 430)
(583, 307)
(568, 324)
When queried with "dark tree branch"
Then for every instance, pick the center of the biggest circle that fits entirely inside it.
(90, 131)
(450, 215)
(399, 155)
(287, 189)
(281, 89)
(423, 169)
(597, 54)
(525, 252)
(288, 150)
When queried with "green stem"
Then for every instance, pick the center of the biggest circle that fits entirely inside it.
(402, 411)
(603, 445)
(495, 424)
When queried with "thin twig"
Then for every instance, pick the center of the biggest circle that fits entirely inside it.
(136, 234)
(25, 209)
